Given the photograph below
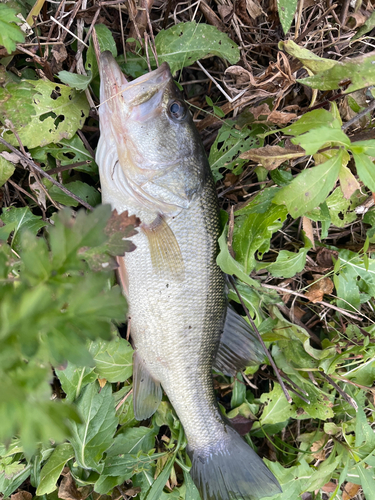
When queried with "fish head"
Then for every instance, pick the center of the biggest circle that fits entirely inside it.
(159, 157)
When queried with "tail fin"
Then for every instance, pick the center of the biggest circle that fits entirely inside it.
(231, 470)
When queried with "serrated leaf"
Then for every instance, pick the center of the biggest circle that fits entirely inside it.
(276, 409)
(349, 75)
(311, 187)
(10, 33)
(183, 44)
(252, 233)
(365, 170)
(228, 145)
(74, 80)
(74, 378)
(6, 170)
(42, 111)
(51, 471)
(113, 360)
(83, 190)
(286, 10)
(19, 220)
(92, 438)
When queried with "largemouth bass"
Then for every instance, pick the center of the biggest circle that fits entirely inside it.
(152, 163)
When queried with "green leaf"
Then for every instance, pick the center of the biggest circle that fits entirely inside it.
(73, 379)
(229, 143)
(53, 468)
(10, 33)
(19, 220)
(367, 147)
(74, 80)
(310, 60)
(86, 192)
(276, 409)
(158, 486)
(42, 111)
(369, 24)
(311, 187)
(286, 10)
(350, 75)
(92, 438)
(311, 120)
(183, 44)
(292, 479)
(315, 139)
(113, 360)
(367, 480)
(252, 233)
(133, 440)
(6, 170)
(365, 170)
(287, 264)
(106, 42)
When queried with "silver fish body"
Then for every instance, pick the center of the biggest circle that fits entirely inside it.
(152, 163)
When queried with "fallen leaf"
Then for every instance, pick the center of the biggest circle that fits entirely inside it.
(309, 231)
(272, 156)
(324, 257)
(317, 449)
(318, 289)
(329, 487)
(21, 495)
(102, 382)
(254, 9)
(68, 489)
(281, 118)
(350, 491)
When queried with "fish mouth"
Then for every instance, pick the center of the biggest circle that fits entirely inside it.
(115, 85)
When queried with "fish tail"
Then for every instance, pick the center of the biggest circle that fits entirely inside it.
(231, 470)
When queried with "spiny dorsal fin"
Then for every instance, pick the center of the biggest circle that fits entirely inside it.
(238, 346)
(147, 391)
(164, 249)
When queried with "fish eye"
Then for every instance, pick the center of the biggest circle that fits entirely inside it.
(177, 110)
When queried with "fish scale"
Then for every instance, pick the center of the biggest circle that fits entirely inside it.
(152, 163)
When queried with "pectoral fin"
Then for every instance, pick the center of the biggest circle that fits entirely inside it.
(147, 392)
(164, 249)
(238, 346)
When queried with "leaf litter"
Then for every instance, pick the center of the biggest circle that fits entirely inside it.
(300, 241)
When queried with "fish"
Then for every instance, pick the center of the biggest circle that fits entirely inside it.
(152, 163)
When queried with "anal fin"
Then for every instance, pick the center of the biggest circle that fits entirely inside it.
(147, 392)
(164, 248)
(238, 346)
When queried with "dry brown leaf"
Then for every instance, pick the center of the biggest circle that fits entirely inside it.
(59, 52)
(308, 228)
(21, 495)
(350, 491)
(258, 111)
(226, 12)
(324, 257)
(68, 489)
(317, 449)
(318, 289)
(298, 313)
(280, 118)
(241, 75)
(254, 9)
(285, 296)
(329, 487)
(102, 382)
(272, 156)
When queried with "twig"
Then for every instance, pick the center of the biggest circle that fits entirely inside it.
(360, 115)
(285, 391)
(44, 174)
(342, 393)
(70, 32)
(230, 99)
(315, 23)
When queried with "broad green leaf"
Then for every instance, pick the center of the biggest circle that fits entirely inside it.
(95, 435)
(113, 360)
(106, 42)
(133, 440)
(276, 409)
(228, 264)
(74, 378)
(363, 430)
(287, 264)
(320, 405)
(311, 120)
(74, 80)
(315, 139)
(42, 111)
(367, 480)
(86, 192)
(6, 170)
(9, 484)
(311, 187)
(324, 473)
(367, 147)
(365, 169)
(286, 10)
(349, 75)
(52, 469)
(10, 33)
(229, 143)
(191, 490)
(292, 479)
(310, 60)
(183, 44)
(19, 220)
(252, 233)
